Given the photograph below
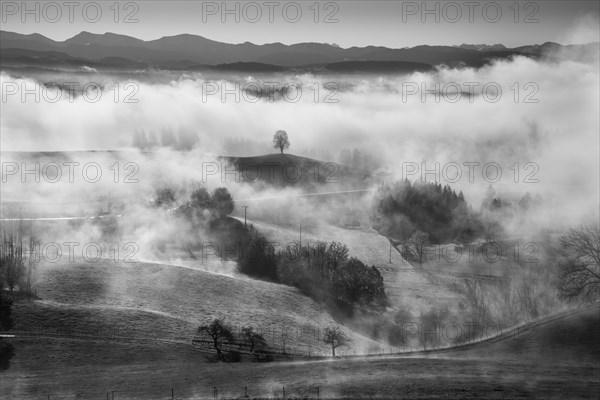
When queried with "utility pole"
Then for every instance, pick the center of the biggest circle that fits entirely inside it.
(245, 209)
(300, 235)
(390, 251)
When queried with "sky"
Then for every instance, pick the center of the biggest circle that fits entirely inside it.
(346, 23)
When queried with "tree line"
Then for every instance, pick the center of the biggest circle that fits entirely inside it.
(321, 270)
(402, 208)
(229, 345)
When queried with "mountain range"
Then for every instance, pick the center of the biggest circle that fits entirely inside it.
(110, 50)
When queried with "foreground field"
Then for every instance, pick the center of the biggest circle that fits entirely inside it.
(526, 366)
(126, 328)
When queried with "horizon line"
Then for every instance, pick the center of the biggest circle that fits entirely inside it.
(292, 44)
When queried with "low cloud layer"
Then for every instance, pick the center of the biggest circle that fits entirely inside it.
(531, 119)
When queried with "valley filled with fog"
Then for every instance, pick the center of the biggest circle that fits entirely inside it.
(143, 205)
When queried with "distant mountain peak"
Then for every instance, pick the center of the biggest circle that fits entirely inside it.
(483, 47)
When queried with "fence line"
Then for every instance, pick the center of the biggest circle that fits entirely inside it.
(201, 392)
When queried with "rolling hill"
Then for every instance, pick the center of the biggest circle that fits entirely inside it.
(288, 170)
(167, 302)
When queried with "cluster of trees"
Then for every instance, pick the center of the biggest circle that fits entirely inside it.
(513, 299)
(494, 202)
(495, 209)
(269, 93)
(486, 308)
(229, 346)
(258, 258)
(17, 261)
(181, 140)
(404, 207)
(202, 205)
(323, 271)
(570, 272)
(17, 270)
(222, 335)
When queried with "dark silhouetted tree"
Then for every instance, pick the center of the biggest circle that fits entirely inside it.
(200, 205)
(222, 202)
(219, 332)
(254, 339)
(355, 283)
(258, 258)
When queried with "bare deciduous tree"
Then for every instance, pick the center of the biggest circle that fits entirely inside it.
(334, 337)
(580, 273)
(477, 300)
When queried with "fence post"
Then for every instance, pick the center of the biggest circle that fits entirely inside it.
(284, 392)
(318, 392)
(246, 391)
(172, 394)
(113, 395)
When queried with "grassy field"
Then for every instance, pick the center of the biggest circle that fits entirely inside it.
(523, 366)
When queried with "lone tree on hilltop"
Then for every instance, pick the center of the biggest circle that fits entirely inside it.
(281, 141)
(336, 338)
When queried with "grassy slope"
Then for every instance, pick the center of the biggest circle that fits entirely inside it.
(168, 302)
(567, 337)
